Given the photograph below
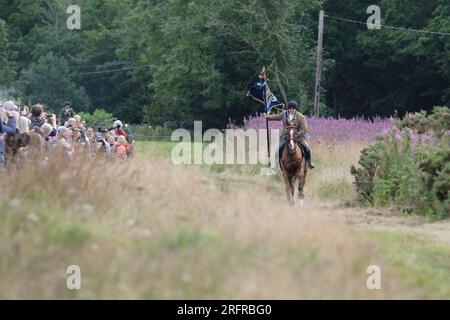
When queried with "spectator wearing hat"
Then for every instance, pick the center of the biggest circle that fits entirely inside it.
(12, 109)
(118, 128)
(10, 106)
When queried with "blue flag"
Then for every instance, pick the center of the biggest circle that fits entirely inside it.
(260, 92)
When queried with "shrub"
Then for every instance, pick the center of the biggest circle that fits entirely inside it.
(436, 176)
(99, 118)
(438, 121)
(370, 161)
(409, 167)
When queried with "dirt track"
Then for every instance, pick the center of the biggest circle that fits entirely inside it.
(382, 219)
(390, 220)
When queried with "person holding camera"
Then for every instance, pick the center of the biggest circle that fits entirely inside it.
(66, 113)
(37, 116)
(103, 145)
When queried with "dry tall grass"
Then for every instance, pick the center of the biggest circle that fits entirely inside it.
(332, 180)
(148, 229)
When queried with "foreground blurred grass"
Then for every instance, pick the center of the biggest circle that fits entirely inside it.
(147, 229)
(421, 262)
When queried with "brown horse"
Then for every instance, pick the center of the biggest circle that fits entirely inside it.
(294, 166)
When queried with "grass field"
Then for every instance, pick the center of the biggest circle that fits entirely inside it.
(150, 230)
(331, 182)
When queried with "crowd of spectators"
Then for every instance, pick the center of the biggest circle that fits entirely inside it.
(31, 134)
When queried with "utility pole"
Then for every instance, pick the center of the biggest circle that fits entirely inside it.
(318, 65)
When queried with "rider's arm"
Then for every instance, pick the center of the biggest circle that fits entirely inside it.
(275, 117)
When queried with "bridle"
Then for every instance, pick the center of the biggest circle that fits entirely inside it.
(292, 139)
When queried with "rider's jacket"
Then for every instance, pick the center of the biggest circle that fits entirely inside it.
(298, 120)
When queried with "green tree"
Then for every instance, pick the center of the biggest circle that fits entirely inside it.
(49, 79)
(175, 61)
(7, 72)
(202, 56)
(382, 71)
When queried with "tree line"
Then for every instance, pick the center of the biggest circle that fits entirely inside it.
(172, 62)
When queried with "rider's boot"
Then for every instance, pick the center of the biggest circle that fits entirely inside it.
(308, 158)
(310, 163)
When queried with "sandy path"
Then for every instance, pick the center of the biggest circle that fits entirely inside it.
(383, 219)
(390, 220)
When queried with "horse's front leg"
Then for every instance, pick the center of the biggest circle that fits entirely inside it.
(292, 186)
(287, 185)
(301, 182)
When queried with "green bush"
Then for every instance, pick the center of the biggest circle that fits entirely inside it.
(438, 121)
(99, 118)
(436, 176)
(398, 169)
(370, 161)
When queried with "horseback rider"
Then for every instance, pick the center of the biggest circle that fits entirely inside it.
(292, 117)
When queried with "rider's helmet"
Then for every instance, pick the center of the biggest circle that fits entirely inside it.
(293, 105)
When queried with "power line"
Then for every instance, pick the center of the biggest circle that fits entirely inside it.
(392, 27)
(107, 64)
(327, 16)
(114, 70)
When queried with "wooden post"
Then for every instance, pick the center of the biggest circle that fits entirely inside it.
(318, 65)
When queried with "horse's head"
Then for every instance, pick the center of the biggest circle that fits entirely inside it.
(292, 131)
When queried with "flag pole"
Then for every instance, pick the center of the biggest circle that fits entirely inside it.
(264, 76)
(268, 141)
